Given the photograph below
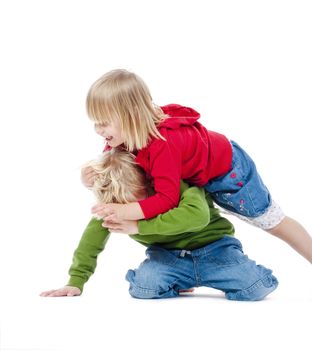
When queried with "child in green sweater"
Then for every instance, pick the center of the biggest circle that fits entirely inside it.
(188, 246)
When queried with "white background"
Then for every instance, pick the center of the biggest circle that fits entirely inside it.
(245, 65)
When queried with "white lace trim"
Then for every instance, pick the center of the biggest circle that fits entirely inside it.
(271, 218)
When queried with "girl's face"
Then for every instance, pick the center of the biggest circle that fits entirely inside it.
(111, 132)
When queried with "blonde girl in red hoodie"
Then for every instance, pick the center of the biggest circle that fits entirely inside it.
(170, 144)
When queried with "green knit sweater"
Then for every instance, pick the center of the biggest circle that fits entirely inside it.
(193, 224)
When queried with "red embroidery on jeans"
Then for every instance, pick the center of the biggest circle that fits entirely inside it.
(240, 184)
(241, 205)
(233, 175)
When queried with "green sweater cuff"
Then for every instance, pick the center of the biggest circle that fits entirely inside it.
(76, 281)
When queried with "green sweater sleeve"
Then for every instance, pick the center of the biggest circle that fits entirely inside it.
(84, 261)
(191, 215)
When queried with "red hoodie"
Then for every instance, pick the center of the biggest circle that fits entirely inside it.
(190, 152)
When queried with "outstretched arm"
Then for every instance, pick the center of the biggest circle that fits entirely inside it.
(84, 262)
(91, 244)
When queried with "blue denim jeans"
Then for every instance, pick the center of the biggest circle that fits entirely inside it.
(241, 190)
(221, 265)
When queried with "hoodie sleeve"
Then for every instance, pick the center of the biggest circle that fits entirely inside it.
(192, 215)
(165, 170)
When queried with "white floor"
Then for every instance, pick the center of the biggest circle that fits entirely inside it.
(106, 317)
(116, 322)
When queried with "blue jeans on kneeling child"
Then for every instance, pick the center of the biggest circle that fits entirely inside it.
(221, 265)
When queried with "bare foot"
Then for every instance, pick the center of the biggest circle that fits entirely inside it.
(186, 290)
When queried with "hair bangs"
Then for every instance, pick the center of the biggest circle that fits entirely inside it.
(100, 104)
(123, 97)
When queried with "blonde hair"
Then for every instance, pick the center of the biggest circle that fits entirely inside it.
(119, 179)
(122, 96)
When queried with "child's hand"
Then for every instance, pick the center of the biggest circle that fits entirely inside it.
(112, 212)
(118, 212)
(87, 176)
(67, 291)
(129, 227)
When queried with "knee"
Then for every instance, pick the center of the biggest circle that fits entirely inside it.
(137, 289)
(151, 287)
(257, 291)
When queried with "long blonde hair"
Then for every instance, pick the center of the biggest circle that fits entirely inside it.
(123, 96)
(119, 179)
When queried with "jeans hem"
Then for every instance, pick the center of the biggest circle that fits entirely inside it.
(257, 291)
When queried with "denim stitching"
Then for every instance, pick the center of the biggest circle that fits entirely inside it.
(245, 293)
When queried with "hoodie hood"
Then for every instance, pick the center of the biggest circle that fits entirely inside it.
(179, 116)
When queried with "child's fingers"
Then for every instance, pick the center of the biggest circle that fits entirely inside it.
(97, 207)
(54, 294)
(120, 230)
(111, 218)
(88, 176)
(62, 292)
(101, 210)
(88, 170)
(112, 226)
(91, 174)
(59, 293)
(47, 293)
